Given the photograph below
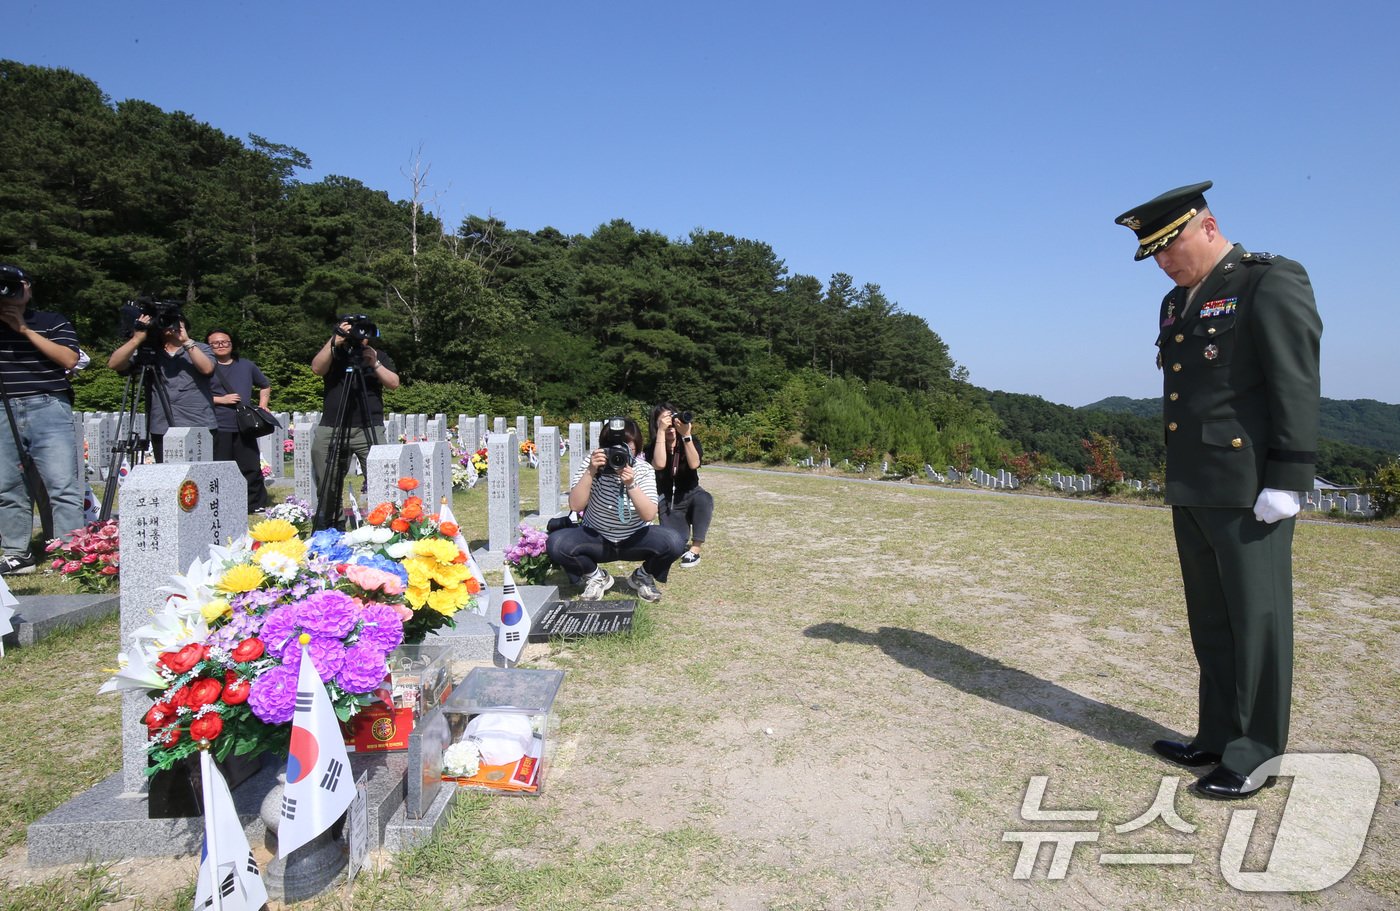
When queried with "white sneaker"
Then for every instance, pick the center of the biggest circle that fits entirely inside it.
(689, 558)
(644, 585)
(596, 584)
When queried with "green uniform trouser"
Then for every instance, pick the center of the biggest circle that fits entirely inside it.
(1238, 574)
(356, 443)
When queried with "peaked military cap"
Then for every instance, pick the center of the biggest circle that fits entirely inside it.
(1159, 221)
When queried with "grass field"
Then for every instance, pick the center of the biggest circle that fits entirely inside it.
(841, 707)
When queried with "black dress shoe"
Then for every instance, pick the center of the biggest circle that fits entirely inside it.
(1223, 784)
(1184, 753)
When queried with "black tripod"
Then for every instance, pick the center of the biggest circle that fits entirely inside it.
(332, 482)
(29, 470)
(140, 384)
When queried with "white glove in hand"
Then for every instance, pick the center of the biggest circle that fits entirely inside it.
(1274, 505)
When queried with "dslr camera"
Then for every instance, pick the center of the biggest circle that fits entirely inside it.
(616, 449)
(164, 314)
(12, 279)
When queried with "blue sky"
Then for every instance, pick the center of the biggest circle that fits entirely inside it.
(970, 161)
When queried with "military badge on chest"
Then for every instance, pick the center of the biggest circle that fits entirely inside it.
(1211, 352)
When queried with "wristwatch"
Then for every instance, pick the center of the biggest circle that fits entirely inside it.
(628, 487)
(187, 345)
(686, 439)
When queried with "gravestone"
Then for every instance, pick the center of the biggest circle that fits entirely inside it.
(387, 463)
(188, 444)
(435, 477)
(394, 429)
(498, 425)
(442, 424)
(595, 429)
(578, 456)
(270, 451)
(170, 515)
(548, 443)
(502, 492)
(435, 430)
(304, 481)
(480, 430)
(520, 427)
(99, 446)
(539, 425)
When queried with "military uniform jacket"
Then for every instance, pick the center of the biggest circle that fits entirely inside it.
(1240, 382)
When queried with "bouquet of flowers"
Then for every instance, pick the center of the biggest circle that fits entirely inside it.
(438, 582)
(221, 658)
(294, 510)
(528, 555)
(527, 447)
(479, 460)
(289, 446)
(89, 556)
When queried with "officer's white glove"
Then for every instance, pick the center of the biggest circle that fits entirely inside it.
(1274, 505)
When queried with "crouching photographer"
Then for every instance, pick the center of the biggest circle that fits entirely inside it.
(686, 507)
(616, 494)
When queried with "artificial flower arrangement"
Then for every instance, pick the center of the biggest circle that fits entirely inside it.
(88, 556)
(527, 448)
(221, 657)
(479, 460)
(528, 555)
(461, 473)
(294, 510)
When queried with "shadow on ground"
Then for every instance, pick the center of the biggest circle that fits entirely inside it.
(987, 678)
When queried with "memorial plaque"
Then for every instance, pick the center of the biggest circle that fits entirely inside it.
(304, 479)
(569, 619)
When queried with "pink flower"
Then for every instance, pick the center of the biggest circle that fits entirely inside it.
(89, 558)
(404, 611)
(72, 566)
(57, 564)
(371, 579)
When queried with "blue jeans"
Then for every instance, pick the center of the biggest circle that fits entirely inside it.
(45, 425)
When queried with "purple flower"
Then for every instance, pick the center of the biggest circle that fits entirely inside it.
(329, 613)
(274, 695)
(328, 654)
(279, 630)
(382, 627)
(363, 670)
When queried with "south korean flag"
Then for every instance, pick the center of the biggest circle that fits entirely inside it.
(228, 867)
(319, 784)
(515, 620)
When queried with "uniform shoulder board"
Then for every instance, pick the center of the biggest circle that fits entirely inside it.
(1264, 258)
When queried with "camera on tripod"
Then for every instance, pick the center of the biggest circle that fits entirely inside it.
(165, 315)
(361, 330)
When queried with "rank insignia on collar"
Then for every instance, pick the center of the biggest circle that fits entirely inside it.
(1211, 352)
(1223, 307)
(1228, 267)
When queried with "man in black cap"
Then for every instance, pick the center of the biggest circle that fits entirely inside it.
(1238, 345)
(37, 349)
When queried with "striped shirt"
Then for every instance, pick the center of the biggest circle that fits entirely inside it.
(610, 511)
(24, 369)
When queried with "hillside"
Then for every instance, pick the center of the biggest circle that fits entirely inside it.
(1359, 422)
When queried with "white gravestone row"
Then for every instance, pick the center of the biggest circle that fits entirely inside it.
(170, 515)
(578, 456)
(388, 462)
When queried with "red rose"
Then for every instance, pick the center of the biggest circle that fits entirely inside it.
(208, 727)
(248, 650)
(236, 691)
(179, 698)
(204, 691)
(180, 662)
(408, 483)
(159, 715)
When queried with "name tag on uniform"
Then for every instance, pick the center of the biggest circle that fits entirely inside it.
(1223, 307)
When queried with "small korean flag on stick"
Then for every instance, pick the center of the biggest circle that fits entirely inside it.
(319, 785)
(515, 620)
(229, 879)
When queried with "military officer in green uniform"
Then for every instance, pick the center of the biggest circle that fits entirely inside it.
(1238, 346)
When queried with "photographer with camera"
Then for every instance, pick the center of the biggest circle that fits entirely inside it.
(616, 494)
(352, 410)
(235, 378)
(686, 507)
(37, 453)
(160, 336)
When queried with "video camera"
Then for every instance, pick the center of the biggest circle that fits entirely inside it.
(12, 279)
(361, 330)
(165, 315)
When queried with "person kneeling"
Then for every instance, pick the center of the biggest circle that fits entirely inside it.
(616, 494)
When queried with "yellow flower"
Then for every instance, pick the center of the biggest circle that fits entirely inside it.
(444, 602)
(417, 595)
(440, 550)
(452, 574)
(241, 578)
(273, 530)
(294, 548)
(420, 571)
(214, 609)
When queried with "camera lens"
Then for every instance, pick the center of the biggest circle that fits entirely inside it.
(686, 417)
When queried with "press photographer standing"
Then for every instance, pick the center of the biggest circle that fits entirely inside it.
(686, 507)
(352, 410)
(37, 349)
(183, 368)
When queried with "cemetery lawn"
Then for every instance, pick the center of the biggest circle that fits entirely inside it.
(841, 707)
